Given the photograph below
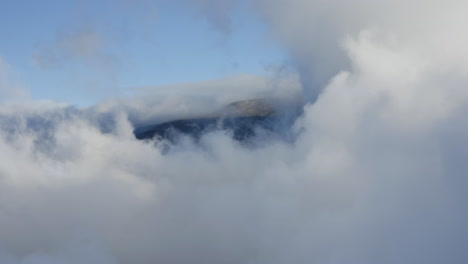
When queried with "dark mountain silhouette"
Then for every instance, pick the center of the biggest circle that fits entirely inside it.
(243, 120)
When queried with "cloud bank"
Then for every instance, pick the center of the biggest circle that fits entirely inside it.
(375, 175)
(315, 31)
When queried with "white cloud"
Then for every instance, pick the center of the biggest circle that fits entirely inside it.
(195, 99)
(314, 31)
(377, 174)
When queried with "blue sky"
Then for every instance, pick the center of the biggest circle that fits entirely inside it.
(82, 52)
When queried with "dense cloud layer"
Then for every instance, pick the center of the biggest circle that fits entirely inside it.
(315, 31)
(376, 174)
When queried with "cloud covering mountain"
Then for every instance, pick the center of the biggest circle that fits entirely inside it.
(376, 173)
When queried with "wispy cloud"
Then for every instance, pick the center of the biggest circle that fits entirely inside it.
(10, 88)
(84, 45)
